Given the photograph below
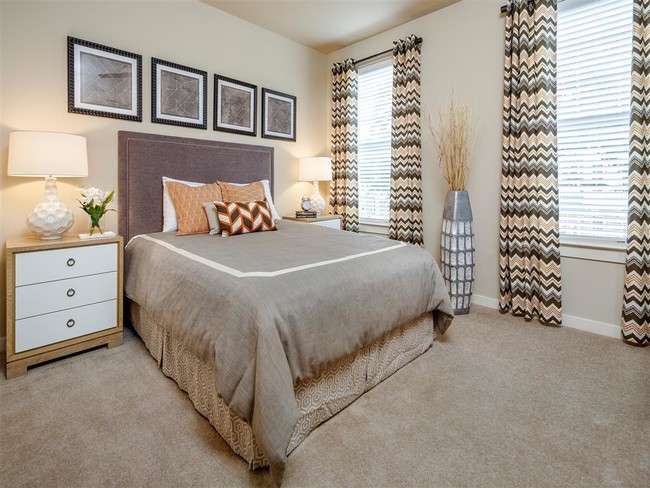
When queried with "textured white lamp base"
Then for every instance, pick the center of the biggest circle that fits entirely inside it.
(317, 201)
(51, 218)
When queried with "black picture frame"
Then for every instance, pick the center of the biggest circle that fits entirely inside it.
(179, 95)
(278, 115)
(104, 81)
(235, 106)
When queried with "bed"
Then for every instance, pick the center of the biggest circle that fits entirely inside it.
(271, 333)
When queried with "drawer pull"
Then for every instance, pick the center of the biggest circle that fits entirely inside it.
(70, 292)
(70, 323)
(70, 262)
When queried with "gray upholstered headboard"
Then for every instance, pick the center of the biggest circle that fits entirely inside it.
(143, 159)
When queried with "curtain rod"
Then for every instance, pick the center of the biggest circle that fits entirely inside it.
(418, 40)
(506, 8)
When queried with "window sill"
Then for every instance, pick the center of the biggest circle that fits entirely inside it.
(593, 249)
(368, 226)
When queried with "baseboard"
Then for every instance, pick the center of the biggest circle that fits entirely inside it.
(485, 301)
(587, 325)
(2, 344)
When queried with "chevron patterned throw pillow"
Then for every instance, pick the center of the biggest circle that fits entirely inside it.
(244, 217)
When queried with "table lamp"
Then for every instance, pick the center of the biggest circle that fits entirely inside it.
(50, 155)
(315, 169)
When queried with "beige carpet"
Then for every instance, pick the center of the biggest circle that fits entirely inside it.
(498, 403)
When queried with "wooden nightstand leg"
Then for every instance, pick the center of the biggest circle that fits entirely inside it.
(16, 369)
(115, 340)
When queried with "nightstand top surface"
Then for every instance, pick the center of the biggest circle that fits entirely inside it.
(320, 218)
(33, 243)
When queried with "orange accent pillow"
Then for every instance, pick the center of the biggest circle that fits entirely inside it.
(253, 192)
(188, 203)
(244, 217)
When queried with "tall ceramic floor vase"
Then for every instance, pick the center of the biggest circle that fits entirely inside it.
(457, 250)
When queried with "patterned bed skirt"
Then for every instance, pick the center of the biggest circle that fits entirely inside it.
(319, 398)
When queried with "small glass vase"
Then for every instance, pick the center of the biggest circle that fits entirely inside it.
(95, 226)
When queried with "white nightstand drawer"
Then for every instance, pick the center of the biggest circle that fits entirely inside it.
(63, 294)
(333, 224)
(58, 264)
(67, 324)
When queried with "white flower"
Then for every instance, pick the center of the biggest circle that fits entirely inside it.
(94, 195)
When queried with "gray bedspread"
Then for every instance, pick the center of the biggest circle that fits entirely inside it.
(272, 307)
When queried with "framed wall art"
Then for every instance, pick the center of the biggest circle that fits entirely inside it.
(278, 115)
(235, 106)
(104, 81)
(179, 95)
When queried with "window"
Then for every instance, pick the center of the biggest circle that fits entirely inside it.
(375, 93)
(594, 65)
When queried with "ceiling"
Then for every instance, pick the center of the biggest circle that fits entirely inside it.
(328, 25)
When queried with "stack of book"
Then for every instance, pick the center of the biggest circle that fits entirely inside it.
(300, 214)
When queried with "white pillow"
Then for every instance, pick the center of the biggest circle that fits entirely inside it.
(170, 222)
(267, 195)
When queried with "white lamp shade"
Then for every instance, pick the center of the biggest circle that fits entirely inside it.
(315, 169)
(47, 154)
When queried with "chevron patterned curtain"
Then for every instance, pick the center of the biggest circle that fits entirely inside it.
(529, 239)
(405, 221)
(636, 302)
(344, 188)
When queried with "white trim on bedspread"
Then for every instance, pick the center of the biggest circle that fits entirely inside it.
(257, 274)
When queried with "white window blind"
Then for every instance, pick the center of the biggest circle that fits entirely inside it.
(594, 63)
(375, 92)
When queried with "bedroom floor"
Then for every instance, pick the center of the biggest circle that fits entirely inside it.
(497, 403)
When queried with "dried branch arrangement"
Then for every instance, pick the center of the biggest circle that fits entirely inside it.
(455, 139)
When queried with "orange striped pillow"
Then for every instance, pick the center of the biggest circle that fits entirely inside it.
(244, 217)
(253, 192)
(188, 203)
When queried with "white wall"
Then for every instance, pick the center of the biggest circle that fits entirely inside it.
(188, 32)
(462, 53)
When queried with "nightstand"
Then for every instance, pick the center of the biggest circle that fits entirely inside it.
(63, 296)
(332, 221)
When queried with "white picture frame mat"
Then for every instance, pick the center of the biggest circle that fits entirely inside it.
(235, 86)
(188, 74)
(78, 49)
(265, 120)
